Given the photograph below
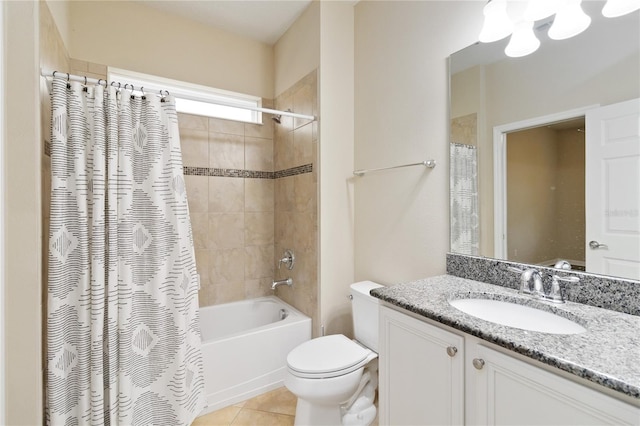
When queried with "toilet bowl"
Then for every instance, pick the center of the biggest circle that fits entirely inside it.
(334, 377)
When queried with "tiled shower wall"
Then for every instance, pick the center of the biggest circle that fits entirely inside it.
(230, 188)
(296, 197)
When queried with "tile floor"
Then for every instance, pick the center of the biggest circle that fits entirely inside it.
(275, 408)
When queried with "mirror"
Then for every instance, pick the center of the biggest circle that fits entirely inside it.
(493, 97)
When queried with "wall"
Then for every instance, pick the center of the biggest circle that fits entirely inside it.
(401, 116)
(136, 37)
(22, 213)
(297, 52)
(532, 169)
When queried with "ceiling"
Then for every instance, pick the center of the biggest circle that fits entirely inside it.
(262, 20)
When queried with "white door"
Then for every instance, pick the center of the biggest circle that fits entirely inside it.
(613, 189)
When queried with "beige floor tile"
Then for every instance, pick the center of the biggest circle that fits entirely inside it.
(221, 417)
(279, 401)
(252, 417)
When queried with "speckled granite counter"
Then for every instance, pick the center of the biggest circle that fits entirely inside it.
(608, 353)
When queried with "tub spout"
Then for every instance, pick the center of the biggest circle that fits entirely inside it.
(276, 283)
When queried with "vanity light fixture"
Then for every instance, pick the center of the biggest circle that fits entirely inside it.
(516, 18)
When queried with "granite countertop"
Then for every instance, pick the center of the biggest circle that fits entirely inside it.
(608, 353)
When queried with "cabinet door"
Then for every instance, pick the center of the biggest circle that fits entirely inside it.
(421, 372)
(508, 391)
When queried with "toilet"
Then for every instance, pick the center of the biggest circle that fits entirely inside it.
(334, 377)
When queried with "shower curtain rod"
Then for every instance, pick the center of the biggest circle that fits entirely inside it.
(160, 91)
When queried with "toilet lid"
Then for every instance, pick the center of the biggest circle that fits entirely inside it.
(328, 356)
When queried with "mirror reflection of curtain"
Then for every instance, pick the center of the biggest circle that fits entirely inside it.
(464, 199)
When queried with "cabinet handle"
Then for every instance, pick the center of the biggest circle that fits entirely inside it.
(478, 363)
(452, 351)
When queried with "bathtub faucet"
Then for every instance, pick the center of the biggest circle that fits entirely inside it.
(276, 283)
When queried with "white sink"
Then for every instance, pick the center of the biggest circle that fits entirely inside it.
(517, 316)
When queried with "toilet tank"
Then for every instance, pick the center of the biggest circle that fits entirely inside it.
(365, 314)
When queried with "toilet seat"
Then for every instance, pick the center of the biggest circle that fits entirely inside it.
(328, 356)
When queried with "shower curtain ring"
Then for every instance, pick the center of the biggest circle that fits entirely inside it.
(54, 74)
(85, 80)
(68, 77)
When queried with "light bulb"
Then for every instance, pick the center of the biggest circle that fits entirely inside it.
(570, 21)
(497, 24)
(615, 8)
(540, 9)
(523, 41)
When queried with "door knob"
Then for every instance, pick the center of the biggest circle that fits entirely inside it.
(596, 245)
(452, 351)
(478, 363)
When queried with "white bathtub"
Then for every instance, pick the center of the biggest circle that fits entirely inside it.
(245, 346)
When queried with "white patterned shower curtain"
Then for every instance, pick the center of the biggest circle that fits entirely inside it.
(464, 199)
(123, 338)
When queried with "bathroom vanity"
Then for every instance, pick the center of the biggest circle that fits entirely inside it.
(439, 365)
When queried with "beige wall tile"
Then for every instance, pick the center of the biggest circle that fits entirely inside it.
(202, 266)
(226, 266)
(195, 122)
(257, 288)
(305, 229)
(226, 151)
(226, 194)
(305, 193)
(284, 232)
(226, 230)
(258, 154)
(197, 193)
(283, 194)
(258, 195)
(283, 151)
(259, 262)
(228, 292)
(258, 228)
(264, 130)
(303, 103)
(218, 125)
(195, 147)
(200, 229)
(303, 147)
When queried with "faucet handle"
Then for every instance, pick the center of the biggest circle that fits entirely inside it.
(555, 295)
(289, 259)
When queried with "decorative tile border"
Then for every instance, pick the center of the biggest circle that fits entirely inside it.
(251, 174)
(616, 294)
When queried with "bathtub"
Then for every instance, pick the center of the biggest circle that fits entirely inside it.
(245, 346)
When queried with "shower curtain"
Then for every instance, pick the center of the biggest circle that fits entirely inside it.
(464, 199)
(123, 339)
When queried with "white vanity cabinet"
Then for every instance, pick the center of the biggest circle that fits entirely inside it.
(503, 390)
(421, 372)
(423, 381)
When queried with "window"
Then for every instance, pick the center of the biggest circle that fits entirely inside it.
(194, 98)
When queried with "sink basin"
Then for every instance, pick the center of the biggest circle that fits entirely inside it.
(517, 316)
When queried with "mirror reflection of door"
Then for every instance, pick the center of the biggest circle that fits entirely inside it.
(546, 194)
(613, 189)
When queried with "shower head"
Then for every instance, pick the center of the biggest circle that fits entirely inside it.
(278, 118)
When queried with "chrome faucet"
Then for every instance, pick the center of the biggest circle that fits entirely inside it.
(555, 294)
(276, 283)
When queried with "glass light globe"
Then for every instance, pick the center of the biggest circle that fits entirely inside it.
(523, 41)
(497, 24)
(570, 21)
(615, 8)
